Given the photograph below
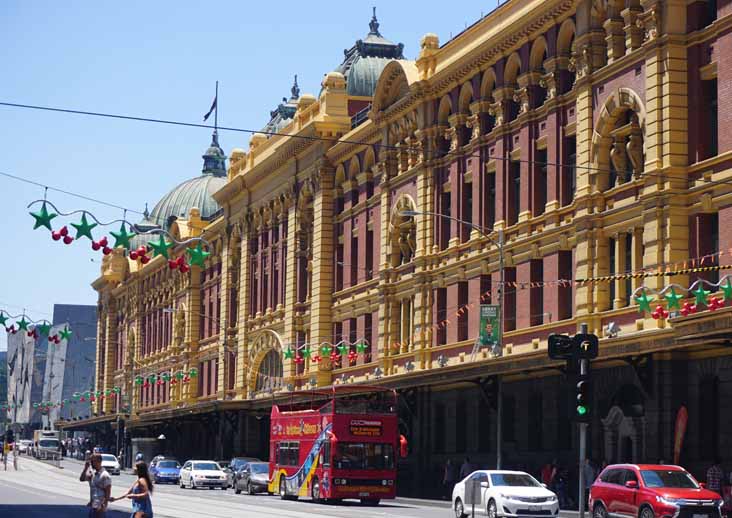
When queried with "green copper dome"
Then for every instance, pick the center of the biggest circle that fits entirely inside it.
(196, 192)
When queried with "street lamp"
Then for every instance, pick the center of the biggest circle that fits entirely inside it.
(500, 245)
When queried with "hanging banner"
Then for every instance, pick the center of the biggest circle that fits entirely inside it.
(682, 417)
(490, 328)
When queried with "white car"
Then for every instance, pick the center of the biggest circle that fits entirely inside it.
(25, 445)
(203, 473)
(505, 494)
(111, 464)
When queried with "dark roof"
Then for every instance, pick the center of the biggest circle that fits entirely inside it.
(285, 111)
(364, 62)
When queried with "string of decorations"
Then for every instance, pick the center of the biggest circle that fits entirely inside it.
(181, 376)
(673, 294)
(122, 238)
(76, 397)
(33, 328)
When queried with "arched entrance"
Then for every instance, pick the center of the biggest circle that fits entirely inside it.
(267, 372)
(624, 427)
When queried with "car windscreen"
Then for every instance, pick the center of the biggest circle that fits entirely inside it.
(48, 443)
(513, 480)
(668, 478)
(109, 458)
(168, 464)
(206, 466)
(259, 467)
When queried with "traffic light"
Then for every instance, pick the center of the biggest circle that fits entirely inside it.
(583, 409)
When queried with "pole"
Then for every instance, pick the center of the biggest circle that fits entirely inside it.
(584, 367)
(499, 388)
(216, 109)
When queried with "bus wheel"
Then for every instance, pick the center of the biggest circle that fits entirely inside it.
(283, 489)
(370, 501)
(315, 490)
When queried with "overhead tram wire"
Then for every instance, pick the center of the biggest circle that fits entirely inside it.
(626, 173)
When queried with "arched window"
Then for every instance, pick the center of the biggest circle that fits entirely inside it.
(269, 374)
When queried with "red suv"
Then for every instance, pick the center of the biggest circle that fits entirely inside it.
(651, 491)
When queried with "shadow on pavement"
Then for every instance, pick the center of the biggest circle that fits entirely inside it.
(55, 511)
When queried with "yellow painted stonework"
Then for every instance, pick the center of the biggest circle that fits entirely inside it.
(301, 179)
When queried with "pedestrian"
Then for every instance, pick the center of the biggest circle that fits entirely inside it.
(715, 476)
(448, 479)
(466, 469)
(140, 493)
(589, 474)
(100, 486)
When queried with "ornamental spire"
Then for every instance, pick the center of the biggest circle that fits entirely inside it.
(295, 90)
(374, 25)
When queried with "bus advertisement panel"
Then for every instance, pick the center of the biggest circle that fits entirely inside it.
(341, 445)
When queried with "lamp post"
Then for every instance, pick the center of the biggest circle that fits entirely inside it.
(500, 246)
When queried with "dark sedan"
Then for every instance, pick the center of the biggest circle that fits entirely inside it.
(252, 478)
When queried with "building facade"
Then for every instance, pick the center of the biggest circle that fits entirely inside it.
(587, 133)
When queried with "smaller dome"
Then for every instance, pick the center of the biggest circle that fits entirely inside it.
(196, 192)
(366, 60)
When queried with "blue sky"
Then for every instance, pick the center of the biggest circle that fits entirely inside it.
(161, 60)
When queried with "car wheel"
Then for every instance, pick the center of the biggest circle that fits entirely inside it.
(250, 491)
(236, 488)
(492, 512)
(459, 509)
(647, 512)
(180, 483)
(315, 490)
(599, 511)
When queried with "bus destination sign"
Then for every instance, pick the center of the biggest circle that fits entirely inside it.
(365, 428)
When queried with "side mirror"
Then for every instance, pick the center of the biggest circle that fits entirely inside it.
(484, 485)
(703, 485)
(631, 484)
(544, 485)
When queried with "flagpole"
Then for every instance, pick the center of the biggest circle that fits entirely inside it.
(216, 109)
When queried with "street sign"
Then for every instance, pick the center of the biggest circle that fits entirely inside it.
(561, 347)
(489, 334)
(582, 346)
(586, 346)
(472, 492)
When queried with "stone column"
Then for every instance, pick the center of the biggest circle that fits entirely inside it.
(620, 267)
(321, 301)
(242, 350)
(109, 352)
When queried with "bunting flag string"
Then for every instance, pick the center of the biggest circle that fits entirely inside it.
(33, 328)
(122, 238)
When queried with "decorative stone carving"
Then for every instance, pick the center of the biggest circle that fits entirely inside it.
(473, 123)
(619, 158)
(633, 33)
(581, 61)
(497, 112)
(427, 60)
(549, 83)
(521, 96)
(615, 38)
(451, 134)
(635, 147)
(650, 21)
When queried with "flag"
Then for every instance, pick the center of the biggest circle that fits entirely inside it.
(213, 107)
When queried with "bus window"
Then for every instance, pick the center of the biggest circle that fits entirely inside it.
(288, 453)
(376, 403)
(358, 455)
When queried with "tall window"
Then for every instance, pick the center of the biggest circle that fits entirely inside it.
(369, 265)
(566, 272)
(514, 185)
(628, 262)
(462, 311)
(710, 122)
(542, 182)
(466, 212)
(569, 171)
(612, 269)
(441, 309)
(510, 299)
(537, 292)
(444, 223)
(489, 216)
(339, 257)
(354, 260)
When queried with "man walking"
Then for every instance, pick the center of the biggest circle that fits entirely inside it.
(100, 486)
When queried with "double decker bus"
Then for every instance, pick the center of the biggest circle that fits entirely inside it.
(335, 444)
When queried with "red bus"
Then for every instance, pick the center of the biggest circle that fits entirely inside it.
(341, 443)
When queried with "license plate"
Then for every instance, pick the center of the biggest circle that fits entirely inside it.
(367, 494)
(699, 515)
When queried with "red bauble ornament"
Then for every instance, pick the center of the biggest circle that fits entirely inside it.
(133, 255)
(186, 379)
(68, 240)
(141, 250)
(106, 250)
(145, 259)
(316, 359)
(172, 264)
(103, 242)
(63, 231)
(56, 235)
(95, 246)
(352, 356)
(146, 384)
(184, 268)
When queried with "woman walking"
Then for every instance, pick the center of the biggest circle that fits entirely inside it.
(140, 493)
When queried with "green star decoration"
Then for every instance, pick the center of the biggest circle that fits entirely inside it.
(161, 247)
(673, 299)
(325, 349)
(197, 255)
(361, 347)
(23, 324)
(727, 290)
(644, 302)
(122, 238)
(3, 319)
(343, 350)
(289, 354)
(44, 329)
(65, 333)
(700, 294)
(84, 228)
(306, 352)
(43, 217)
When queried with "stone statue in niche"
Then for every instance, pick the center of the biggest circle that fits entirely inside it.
(619, 158)
(635, 146)
(406, 252)
(451, 134)
(180, 327)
